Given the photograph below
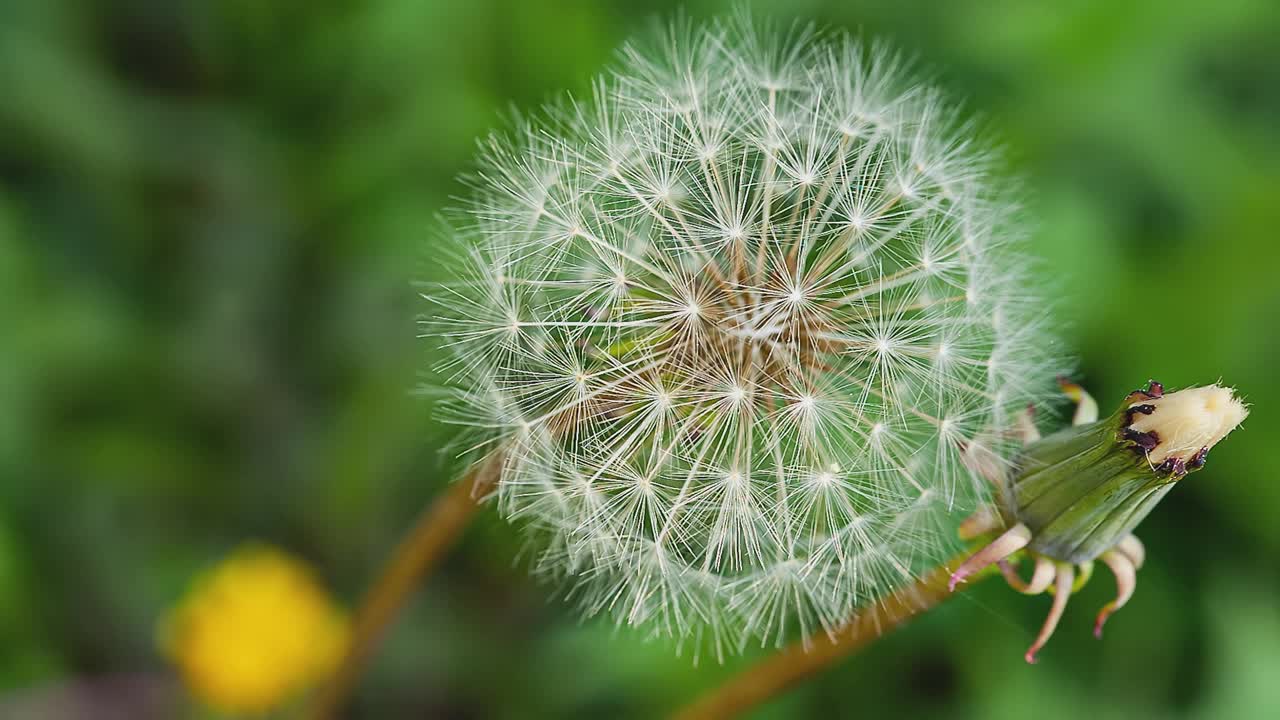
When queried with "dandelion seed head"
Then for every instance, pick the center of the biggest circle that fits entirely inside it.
(731, 321)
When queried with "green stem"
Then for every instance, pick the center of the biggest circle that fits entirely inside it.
(805, 658)
(437, 529)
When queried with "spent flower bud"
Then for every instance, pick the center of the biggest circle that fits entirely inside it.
(1084, 488)
(1077, 495)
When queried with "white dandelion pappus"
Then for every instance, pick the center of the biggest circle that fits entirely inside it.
(739, 324)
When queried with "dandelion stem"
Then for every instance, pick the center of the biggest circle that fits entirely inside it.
(437, 529)
(804, 658)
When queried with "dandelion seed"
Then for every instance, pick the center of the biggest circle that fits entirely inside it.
(772, 272)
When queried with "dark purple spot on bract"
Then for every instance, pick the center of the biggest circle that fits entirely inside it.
(1197, 461)
(1145, 441)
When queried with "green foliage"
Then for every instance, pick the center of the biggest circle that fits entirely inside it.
(211, 215)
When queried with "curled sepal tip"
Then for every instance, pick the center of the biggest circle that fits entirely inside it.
(1013, 540)
(1126, 574)
(1063, 581)
(1040, 580)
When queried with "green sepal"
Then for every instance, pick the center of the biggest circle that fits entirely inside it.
(1083, 489)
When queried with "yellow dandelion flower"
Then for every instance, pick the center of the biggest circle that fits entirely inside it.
(254, 631)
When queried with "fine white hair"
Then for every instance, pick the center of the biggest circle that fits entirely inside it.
(735, 323)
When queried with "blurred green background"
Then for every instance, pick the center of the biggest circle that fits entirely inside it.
(211, 214)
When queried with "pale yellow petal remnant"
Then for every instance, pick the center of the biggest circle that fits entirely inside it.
(1189, 420)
